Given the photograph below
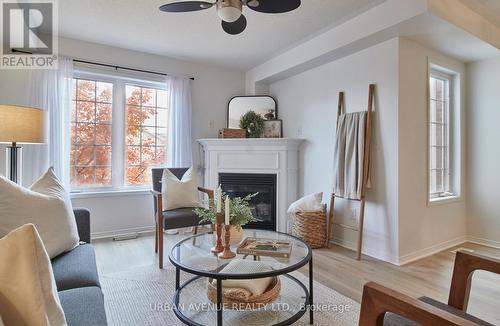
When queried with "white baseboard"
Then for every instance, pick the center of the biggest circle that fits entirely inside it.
(121, 232)
(484, 242)
(385, 256)
(408, 258)
(429, 251)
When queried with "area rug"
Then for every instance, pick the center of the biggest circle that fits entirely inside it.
(143, 296)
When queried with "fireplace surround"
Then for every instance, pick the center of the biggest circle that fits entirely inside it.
(224, 158)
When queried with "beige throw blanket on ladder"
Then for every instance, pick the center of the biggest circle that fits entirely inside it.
(349, 155)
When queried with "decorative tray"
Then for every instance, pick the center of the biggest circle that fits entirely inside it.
(265, 247)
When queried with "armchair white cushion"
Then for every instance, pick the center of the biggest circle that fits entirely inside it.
(179, 193)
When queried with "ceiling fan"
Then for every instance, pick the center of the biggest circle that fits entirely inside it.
(230, 11)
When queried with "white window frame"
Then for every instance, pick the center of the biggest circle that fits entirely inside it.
(453, 135)
(118, 129)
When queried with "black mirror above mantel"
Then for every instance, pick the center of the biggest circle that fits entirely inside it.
(253, 116)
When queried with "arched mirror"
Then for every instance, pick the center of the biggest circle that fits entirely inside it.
(239, 105)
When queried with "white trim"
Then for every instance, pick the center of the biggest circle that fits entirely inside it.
(484, 242)
(122, 232)
(456, 161)
(110, 193)
(431, 250)
(444, 200)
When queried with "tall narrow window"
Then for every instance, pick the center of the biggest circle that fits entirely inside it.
(91, 130)
(439, 135)
(146, 119)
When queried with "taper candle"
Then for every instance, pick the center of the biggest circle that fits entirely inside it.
(227, 210)
(219, 199)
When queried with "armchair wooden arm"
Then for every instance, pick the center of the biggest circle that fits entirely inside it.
(209, 192)
(465, 265)
(377, 300)
(158, 197)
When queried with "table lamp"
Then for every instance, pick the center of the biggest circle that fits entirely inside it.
(19, 124)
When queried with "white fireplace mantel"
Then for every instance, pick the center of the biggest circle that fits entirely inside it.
(278, 156)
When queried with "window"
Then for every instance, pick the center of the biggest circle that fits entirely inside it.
(118, 131)
(91, 134)
(146, 132)
(444, 135)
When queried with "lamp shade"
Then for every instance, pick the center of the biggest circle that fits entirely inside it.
(21, 124)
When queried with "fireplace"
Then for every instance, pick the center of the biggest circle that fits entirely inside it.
(277, 158)
(263, 205)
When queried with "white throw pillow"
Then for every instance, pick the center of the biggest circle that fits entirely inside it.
(47, 205)
(179, 193)
(309, 203)
(28, 291)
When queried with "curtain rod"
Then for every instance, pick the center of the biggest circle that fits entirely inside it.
(109, 65)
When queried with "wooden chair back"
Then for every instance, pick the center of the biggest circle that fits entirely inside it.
(377, 299)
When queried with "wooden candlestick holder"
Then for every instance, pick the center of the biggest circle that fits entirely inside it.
(218, 229)
(227, 253)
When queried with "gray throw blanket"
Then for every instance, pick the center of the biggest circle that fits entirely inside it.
(349, 155)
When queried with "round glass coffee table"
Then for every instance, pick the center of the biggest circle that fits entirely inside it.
(193, 256)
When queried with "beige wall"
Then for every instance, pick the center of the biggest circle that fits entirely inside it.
(423, 228)
(483, 206)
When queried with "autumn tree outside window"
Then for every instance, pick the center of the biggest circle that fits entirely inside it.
(118, 131)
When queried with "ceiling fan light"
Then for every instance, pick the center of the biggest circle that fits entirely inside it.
(253, 3)
(229, 10)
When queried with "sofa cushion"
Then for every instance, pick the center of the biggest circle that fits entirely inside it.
(391, 319)
(28, 293)
(83, 306)
(76, 268)
(47, 205)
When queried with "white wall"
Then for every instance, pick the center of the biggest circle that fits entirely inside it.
(308, 105)
(483, 206)
(424, 229)
(212, 89)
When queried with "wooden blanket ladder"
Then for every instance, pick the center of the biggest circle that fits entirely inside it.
(366, 164)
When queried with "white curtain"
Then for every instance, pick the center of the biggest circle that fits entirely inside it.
(179, 147)
(50, 90)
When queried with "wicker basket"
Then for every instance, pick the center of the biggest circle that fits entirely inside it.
(254, 302)
(311, 227)
(232, 133)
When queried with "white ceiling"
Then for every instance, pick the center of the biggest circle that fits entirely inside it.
(197, 36)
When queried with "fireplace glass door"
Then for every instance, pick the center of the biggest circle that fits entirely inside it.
(263, 205)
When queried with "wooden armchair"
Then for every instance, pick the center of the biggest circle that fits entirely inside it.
(383, 306)
(175, 218)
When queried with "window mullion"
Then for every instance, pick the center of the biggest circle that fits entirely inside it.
(118, 126)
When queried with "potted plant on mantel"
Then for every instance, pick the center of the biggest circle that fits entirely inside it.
(240, 214)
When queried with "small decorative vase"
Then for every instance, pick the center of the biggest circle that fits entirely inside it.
(236, 234)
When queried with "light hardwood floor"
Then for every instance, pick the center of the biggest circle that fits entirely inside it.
(337, 269)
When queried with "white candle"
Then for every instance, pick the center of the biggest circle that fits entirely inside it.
(219, 199)
(227, 210)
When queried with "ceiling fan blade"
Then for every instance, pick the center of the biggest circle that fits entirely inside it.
(236, 27)
(273, 6)
(185, 6)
